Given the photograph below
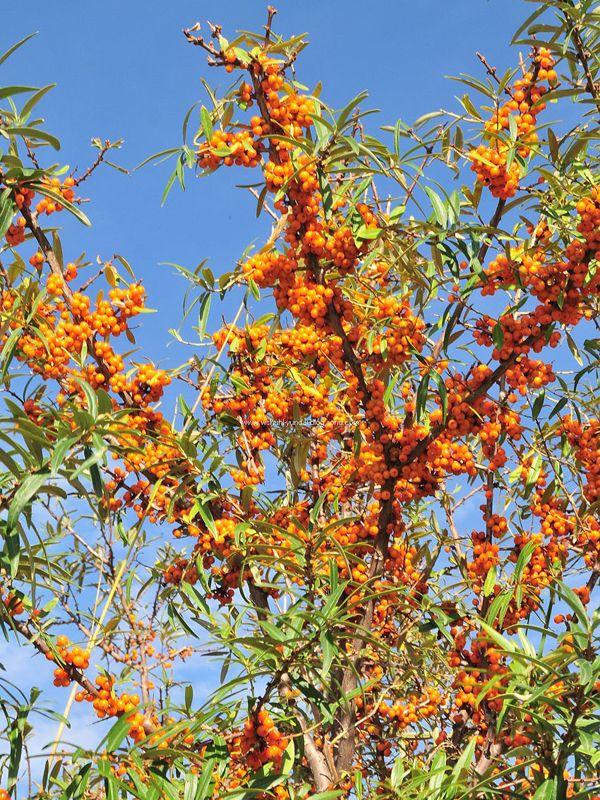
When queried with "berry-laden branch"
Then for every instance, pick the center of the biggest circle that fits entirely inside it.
(313, 278)
(65, 326)
(52, 261)
(70, 671)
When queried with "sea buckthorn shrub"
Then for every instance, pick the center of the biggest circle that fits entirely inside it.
(375, 503)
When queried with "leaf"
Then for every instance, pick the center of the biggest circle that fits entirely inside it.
(439, 209)
(28, 488)
(437, 771)
(60, 451)
(442, 391)
(534, 471)
(316, 509)
(16, 46)
(207, 517)
(559, 406)
(261, 200)
(421, 399)
(206, 122)
(57, 249)
(473, 84)
(538, 404)
(326, 193)
(469, 107)
(122, 260)
(36, 134)
(35, 99)
(117, 733)
(490, 581)
(553, 145)
(190, 786)
(189, 697)
(458, 141)
(525, 25)
(203, 314)
(524, 558)
(8, 91)
(502, 642)
(347, 110)
(426, 117)
(15, 738)
(110, 273)
(398, 772)
(58, 198)
(498, 336)
(466, 757)
(573, 152)
(329, 651)
(204, 789)
(574, 349)
(8, 351)
(162, 155)
(572, 600)
(389, 389)
(97, 484)
(365, 233)
(546, 790)
(6, 211)
(90, 396)
(168, 186)
(498, 608)
(255, 291)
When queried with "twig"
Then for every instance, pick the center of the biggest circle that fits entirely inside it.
(491, 71)
(271, 11)
(104, 148)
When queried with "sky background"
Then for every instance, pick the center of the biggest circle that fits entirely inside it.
(124, 70)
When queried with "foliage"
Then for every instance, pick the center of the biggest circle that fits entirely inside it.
(388, 500)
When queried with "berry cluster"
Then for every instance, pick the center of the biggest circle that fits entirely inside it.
(496, 164)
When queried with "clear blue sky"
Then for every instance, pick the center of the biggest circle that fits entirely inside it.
(124, 70)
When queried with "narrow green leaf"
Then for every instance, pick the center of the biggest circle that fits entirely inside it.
(16, 46)
(30, 132)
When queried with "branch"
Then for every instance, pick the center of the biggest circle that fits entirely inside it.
(40, 645)
(582, 57)
(103, 150)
